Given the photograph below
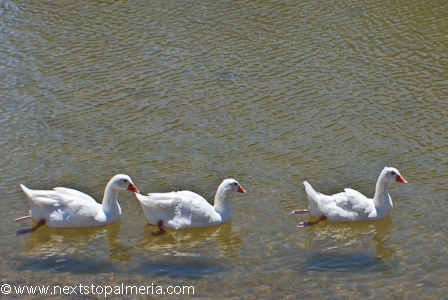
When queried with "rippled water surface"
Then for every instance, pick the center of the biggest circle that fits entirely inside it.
(182, 94)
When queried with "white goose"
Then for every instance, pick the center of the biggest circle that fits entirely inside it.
(351, 205)
(185, 209)
(64, 207)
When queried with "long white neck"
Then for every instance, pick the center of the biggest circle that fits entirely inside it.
(222, 205)
(383, 202)
(110, 204)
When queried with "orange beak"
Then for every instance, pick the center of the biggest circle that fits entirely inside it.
(400, 179)
(132, 188)
(241, 190)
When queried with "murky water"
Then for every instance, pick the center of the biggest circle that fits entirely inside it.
(182, 94)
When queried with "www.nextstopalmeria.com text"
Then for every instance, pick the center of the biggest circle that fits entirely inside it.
(101, 290)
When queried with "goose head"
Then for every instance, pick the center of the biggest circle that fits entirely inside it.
(231, 185)
(123, 182)
(390, 174)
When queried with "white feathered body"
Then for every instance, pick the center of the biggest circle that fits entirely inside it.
(67, 208)
(180, 209)
(349, 205)
(184, 209)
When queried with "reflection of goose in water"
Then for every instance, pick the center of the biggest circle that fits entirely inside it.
(349, 247)
(74, 248)
(380, 238)
(178, 242)
(186, 253)
(69, 241)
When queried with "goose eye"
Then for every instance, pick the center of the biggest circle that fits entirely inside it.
(125, 180)
(235, 184)
(393, 172)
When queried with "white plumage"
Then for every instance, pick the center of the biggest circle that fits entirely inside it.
(351, 205)
(64, 207)
(187, 209)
